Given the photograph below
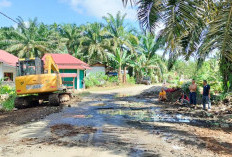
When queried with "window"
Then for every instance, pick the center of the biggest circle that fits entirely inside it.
(8, 76)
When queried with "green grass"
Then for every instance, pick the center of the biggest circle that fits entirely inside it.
(8, 104)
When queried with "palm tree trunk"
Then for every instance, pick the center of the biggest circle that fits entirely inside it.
(119, 74)
(226, 71)
(124, 75)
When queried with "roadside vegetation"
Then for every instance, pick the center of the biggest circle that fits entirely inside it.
(7, 96)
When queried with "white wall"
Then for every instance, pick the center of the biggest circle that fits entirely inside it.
(7, 68)
(95, 70)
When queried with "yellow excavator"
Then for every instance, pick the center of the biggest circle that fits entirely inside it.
(38, 81)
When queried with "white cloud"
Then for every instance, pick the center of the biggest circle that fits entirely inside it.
(99, 8)
(5, 3)
(27, 24)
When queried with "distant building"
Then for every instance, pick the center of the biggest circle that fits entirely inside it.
(96, 68)
(72, 70)
(7, 66)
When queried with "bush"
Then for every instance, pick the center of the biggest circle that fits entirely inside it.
(5, 89)
(100, 79)
(130, 80)
(97, 79)
(113, 79)
(8, 104)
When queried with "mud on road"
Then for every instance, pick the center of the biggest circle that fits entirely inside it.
(115, 123)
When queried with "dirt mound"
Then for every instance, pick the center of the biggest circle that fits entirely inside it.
(62, 130)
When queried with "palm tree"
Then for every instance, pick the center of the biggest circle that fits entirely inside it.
(121, 58)
(94, 42)
(120, 37)
(71, 37)
(25, 41)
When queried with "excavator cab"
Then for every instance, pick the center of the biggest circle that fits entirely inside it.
(32, 66)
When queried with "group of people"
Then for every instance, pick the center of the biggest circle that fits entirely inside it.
(192, 99)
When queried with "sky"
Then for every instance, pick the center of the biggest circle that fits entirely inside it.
(64, 11)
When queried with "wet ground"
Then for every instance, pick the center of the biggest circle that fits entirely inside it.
(116, 123)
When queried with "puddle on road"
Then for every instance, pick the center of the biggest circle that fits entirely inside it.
(78, 116)
(99, 104)
(147, 115)
(122, 95)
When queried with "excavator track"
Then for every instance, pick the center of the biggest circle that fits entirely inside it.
(26, 101)
(54, 99)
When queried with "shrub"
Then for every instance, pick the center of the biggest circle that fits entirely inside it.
(130, 80)
(97, 79)
(113, 79)
(8, 104)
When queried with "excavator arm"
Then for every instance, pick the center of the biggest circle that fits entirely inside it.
(50, 65)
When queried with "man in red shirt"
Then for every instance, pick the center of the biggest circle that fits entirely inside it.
(183, 99)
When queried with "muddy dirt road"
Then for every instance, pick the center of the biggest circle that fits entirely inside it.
(114, 123)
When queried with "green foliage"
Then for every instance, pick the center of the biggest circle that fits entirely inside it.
(97, 79)
(5, 89)
(185, 87)
(130, 80)
(113, 79)
(9, 103)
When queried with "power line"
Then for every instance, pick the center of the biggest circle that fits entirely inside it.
(9, 17)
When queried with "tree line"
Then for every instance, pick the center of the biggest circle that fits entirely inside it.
(110, 42)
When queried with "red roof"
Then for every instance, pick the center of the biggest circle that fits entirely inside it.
(8, 58)
(67, 61)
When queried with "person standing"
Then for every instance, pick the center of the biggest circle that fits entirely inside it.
(206, 95)
(193, 94)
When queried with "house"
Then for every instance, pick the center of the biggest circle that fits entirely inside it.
(7, 66)
(72, 70)
(96, 68)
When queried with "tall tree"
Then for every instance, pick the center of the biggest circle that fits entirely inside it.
(94, 42)
(121, 39)
(71, 34)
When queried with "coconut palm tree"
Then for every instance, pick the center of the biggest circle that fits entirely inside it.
(25, 41)
(94, 42)
(71, 36)
(120, 38)
(118, 34)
